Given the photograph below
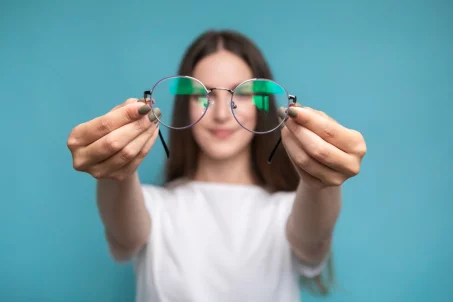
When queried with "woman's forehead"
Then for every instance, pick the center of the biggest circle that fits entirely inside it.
(222, 69)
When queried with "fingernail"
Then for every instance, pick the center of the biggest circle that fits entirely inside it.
(282, 113)
(298, 105)
(144, 110)
(292, 112)
(151, 115)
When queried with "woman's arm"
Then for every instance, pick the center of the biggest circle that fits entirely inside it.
(122, 210)
(110, 148)
(325, 154)
(311, 222)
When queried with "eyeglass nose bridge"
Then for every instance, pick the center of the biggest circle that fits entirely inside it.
(220, 88)
(234, 106)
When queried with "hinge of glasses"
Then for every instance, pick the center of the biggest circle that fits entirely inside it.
(148, 101)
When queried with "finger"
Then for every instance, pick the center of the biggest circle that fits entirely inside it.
(122, 158)
(306, 178)
(115, 141)
(321, 113)
(310, 180)
(132, 166)
(329, 130)
(359, 148)
(128, 101)
(305, 163)
(322, 151)
(88, 132)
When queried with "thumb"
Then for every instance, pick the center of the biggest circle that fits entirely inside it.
(320, 113)
(127, 102)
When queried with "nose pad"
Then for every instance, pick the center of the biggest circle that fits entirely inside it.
(232, 105)
(207, 104)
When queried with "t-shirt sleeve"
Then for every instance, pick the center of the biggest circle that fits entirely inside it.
(151, 196)
(310, 271)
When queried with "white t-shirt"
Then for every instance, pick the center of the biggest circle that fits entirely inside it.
(218, 242)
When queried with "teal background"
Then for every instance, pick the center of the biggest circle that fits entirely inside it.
(384, 68)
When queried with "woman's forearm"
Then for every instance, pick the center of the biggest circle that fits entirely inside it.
(122, 210)
(312, 221)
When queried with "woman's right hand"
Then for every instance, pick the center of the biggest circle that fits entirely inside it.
(113, 145)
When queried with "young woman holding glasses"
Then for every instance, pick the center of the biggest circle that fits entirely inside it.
(253, 180)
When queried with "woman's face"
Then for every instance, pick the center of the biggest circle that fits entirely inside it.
(218, 133)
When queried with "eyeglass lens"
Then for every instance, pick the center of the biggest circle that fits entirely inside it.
(254, 103)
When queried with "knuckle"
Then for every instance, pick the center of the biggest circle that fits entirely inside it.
(329, 132)
(143, 152)
(73, 138)
(322, 113)
(127, 154)
(320, 153)
(111, 144)
(105, 125)
(354, 169)
(98, 174)
(360, 147)
(72, 142)
(77, 164)
(361, 150)
(336, 181)
(302, 160)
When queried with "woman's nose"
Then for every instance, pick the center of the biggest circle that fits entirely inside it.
(221, 105)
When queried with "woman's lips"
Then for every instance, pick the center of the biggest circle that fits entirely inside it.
(221, 133)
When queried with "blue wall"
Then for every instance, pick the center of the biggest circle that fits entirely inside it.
(382, 67)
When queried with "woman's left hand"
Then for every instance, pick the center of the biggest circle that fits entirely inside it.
(324, 153)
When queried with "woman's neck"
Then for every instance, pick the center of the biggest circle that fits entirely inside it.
(235, 170)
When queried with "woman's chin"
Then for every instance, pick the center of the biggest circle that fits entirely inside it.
(226, 148)
(221, 154)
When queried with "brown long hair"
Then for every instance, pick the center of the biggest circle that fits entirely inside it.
(280, 174)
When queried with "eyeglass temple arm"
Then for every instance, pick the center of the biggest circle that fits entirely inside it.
(164, 144)
(293, 98)
(162, 140)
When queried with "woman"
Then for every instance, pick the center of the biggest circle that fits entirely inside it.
(227, 226)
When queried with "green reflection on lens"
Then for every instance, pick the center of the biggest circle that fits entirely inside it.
(203, 101)
(186, 86)
(260, 90)
(261, 102)
(258, 86)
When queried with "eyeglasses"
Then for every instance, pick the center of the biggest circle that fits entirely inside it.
(260, 96)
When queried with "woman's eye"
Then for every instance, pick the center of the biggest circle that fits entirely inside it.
(202, 100)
